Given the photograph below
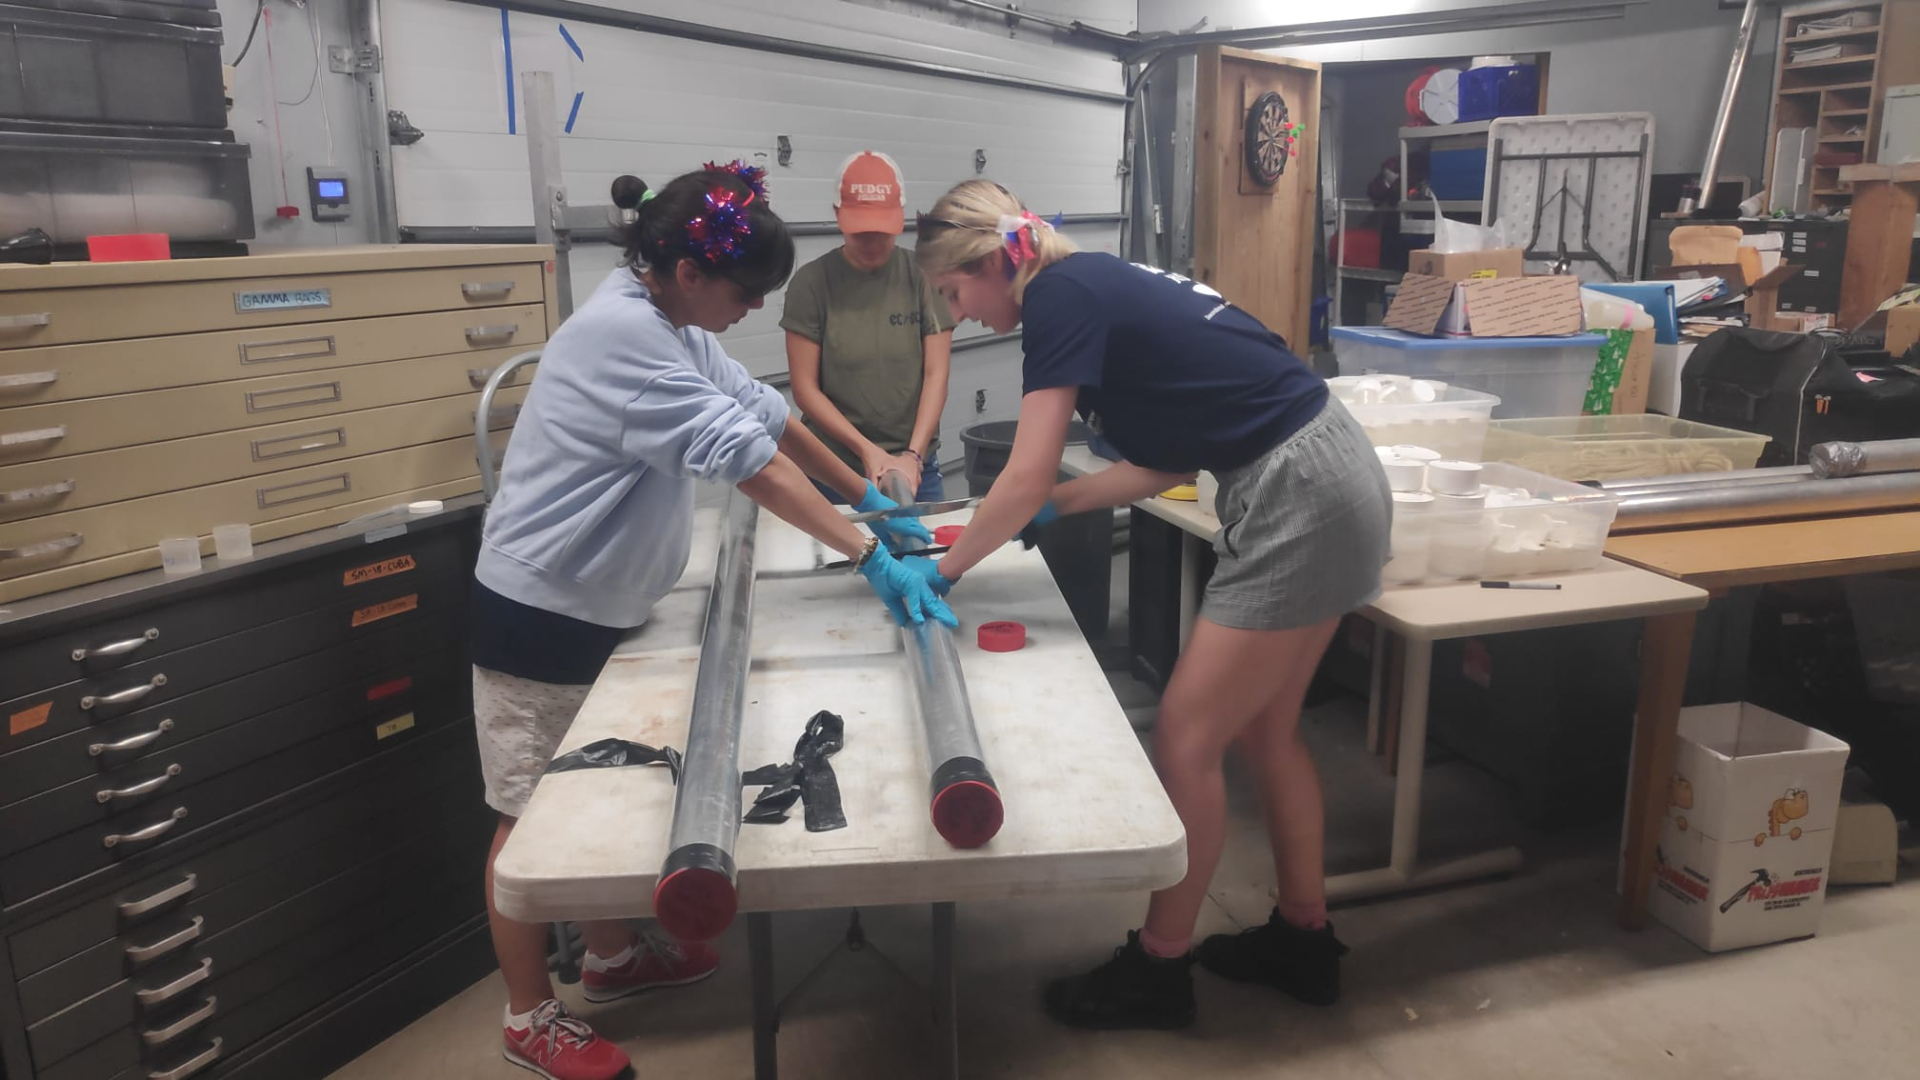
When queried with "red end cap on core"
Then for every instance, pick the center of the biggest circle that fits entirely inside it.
(695, 903)
(1002, 637)
(968, 813)
(946, 535)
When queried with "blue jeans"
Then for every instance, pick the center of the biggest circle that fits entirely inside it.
(933, 487)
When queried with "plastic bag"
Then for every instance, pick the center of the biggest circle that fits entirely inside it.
(1451, 237)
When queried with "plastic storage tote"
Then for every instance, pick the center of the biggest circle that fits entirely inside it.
(1620, 447)
(1398, 411)
(1529, 524)
(1543, 376)
(1457, 174)
(1488, 93)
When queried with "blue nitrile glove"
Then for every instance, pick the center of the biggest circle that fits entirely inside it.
(929, 570)
(890, 530)
(1030, 536)
(905, 593)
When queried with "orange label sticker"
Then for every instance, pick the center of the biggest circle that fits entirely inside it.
(386, 609)
(28, 719)
(399, 564)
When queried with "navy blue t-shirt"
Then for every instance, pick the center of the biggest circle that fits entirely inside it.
(1173, 375)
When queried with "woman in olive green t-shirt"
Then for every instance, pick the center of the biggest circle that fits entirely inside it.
(868, 343)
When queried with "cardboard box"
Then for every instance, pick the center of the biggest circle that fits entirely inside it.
(1630, 392)
(1903, 329)
(1866, 843)
(1744, 849)
(1468, 265)
(1491, 307)
(1704, 245)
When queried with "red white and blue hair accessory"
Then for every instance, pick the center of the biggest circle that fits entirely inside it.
(721, 231)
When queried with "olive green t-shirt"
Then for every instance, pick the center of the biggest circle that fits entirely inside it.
(869, 325)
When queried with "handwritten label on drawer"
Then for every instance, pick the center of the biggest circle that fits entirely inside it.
(360, 575)
(386, 609)
(28, 719)
(393, 727)
(288, 300)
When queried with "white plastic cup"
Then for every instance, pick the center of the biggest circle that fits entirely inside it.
(1406, 474)
(1447, 502)
(233, 543)
(180, 555)
(1416, 453)
(1453, 477)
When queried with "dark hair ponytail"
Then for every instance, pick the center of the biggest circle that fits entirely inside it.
(656, 239)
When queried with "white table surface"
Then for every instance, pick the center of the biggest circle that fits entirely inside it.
(1189, 517)
(1084, 811)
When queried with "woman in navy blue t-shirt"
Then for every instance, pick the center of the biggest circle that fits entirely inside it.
(1180, 380)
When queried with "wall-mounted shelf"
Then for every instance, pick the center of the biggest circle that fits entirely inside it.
(1818, 93)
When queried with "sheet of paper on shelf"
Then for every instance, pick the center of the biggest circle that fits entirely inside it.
(1806, 53)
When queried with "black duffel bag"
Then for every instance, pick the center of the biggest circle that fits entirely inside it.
(1800, 389)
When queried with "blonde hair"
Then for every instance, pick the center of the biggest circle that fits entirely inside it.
(964, 230)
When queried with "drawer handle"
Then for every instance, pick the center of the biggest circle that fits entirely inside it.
(10, 440)
(36, 494)
(133, 909)
(329, 439)
(502, 415)
(259, 401)
(124, 697)
(131, 742)
(160, 995)
(151, 832)
(486, 290)
(141, 954)
(326, 348)
(477, 377)
(190, 1066)
(160, 1036)
(28, 380)
(271, 497)
(32, 320)
(117, 648)
(43, 547)
(144, 787)
(485, 336)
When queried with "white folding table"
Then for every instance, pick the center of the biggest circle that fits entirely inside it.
(1084, 811)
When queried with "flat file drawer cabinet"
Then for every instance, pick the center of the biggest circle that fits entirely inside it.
(241, 825)
(291, 391)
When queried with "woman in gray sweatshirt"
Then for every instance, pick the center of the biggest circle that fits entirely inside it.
(635, 401)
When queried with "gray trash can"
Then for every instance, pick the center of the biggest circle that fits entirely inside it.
(1078, 548)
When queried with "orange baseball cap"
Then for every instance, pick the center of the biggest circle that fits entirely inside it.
(871, 197)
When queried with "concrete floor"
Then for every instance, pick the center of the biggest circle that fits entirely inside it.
(1524, 977)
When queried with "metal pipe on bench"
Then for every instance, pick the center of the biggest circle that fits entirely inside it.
(695, 899)
(1661, 485)
(966, 807)
(1707, 505)
(1837, 459)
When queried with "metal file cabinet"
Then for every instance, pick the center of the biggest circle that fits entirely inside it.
(241, 825)
(291, 390)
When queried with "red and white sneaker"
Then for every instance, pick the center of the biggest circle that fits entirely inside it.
(651, 964)
(560, 1046)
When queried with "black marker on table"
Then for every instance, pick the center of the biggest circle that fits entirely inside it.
(1541, 586)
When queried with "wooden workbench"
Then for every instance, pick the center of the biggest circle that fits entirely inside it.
(1717, 559)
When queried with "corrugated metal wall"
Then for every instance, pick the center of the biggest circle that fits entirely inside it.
(655, 104)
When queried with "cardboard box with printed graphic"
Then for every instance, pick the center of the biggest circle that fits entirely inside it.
(1744, 850)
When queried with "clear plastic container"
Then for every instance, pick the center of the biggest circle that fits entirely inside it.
(180, 555)
(1536, 376)
(1531, 524)
(1418, 412)
(1620, 447)
(233, 543)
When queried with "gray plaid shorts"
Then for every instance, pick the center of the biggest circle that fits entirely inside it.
(1304, 529)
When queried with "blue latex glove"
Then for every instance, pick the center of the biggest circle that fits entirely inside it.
(1030, 536)
(929, 570)
(905, 592)
(890, 530)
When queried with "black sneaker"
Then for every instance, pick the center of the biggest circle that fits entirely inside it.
(1303, 963)
(1132, 990)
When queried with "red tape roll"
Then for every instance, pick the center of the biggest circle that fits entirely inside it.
(945, 535)
(1002, 636)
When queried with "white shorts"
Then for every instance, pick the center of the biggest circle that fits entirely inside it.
(519, 723)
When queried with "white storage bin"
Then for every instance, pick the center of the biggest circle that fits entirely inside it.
(1393, 412)
(1559, 528)
(1531, 376)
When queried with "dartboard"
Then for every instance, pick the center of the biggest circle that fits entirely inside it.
(1269, 138)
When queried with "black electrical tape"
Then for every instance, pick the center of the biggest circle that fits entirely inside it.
(808, 778)
(615, 753)
(698, 857)
(956, 770)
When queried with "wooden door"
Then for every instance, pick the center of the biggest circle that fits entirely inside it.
(1254, 240)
